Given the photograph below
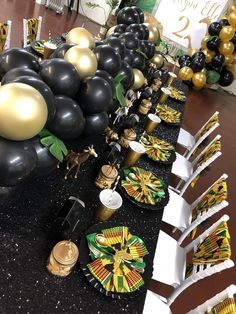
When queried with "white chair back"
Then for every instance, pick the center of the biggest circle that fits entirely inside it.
(26, 31)
(219, 297)
(154, 304)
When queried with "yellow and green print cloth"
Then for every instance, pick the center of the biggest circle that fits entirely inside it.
(227, 306)
(176, 94)
(3, 35)
(168, 114)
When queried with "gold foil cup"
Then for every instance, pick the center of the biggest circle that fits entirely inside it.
(63, 258)
(171, 77)
(109, 202)
(49, 48)
(165, 93)
(135, 151)
(152, 122)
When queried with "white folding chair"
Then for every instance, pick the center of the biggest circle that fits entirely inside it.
(5, 27)
(170, 262)
(180, 214)
(190, 142)
(155, 304)
(28, 36)
(189, 171)
(214, 301)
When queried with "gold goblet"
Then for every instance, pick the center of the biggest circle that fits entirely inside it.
(152, 122)
(165, 93)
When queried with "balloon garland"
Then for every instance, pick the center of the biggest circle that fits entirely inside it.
(215, 62)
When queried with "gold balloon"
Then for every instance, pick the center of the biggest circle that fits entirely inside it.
(110, 31)
(81, 37)
(208, 55)
(191, 51)
(83, 59)
(232, 8)
(234, 58)
(158, 60)
(204, 71)
(154, 33)
(139, 79)
(228, 59)
(149, 18)
(232, 19)
(226, 33)
(226, 48)
(204, 41)
(199, 79)
(23, 111)
(185, 73)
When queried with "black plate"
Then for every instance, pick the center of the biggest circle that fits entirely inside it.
(157, 206)
(84, 259)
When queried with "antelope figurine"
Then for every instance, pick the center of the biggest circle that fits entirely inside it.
(76, 159)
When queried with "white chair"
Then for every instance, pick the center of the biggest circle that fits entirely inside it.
(30, 34)
(5, 27)
(155, 305)
(218, 298)
(170, 262)
(179, 213)
(189, 171)
(190, 142)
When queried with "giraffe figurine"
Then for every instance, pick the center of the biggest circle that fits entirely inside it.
(76, 159)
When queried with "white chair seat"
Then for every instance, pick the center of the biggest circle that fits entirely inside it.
(154, 305)
(182, 168)
(185, 139)
(177, 212)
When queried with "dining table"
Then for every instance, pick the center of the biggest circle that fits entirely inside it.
(26, 286)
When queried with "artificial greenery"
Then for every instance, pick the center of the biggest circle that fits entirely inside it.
(119, 90)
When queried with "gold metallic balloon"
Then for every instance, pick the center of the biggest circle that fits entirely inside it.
(226, 33)
(185, 73)
(139, 79)
(226, 48)
(110, 31)
(204, 41)
(154, 33)
(149, 18)
(208, 55)
(232, 8)
(199, 79)
(234, 58)
(83, 59)
(232, 19)
(81, 37)
(23, 111)
(158, 60)
(228, 59)
(204, 71)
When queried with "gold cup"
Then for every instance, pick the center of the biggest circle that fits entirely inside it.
(135, 151)
(171, 77)
(109, 202)
(165, 93)
(152, 122)
(49, 48)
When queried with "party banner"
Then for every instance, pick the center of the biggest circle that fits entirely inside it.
(185, 22)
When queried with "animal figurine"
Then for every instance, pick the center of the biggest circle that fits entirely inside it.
(111, 135)
(76, 159)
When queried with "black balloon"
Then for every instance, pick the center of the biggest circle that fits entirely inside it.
(218, 60)
(224, 22)
(147, 48)
(130, 40)
(99, 43)
(186, 63)
(199, 54)
(69, 121)
(213, 43)
(197, 64)
(106, 76)
(114, 105)
(139, 60)
(96, 124)
(140, 13)
(117, 44)
(108, 59)
(116, 34)
(18, 58)
(127, 16)
(127, 70)
(61, 50)
(226, 78)
(184, 58)
(18, 160)
(95, 95)
(137, 30)
(46, 163)
(61, 76)
(146, 31)
(214, 28)
(129, 57)
(120, 28)
(44, 90)
(11, 75)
